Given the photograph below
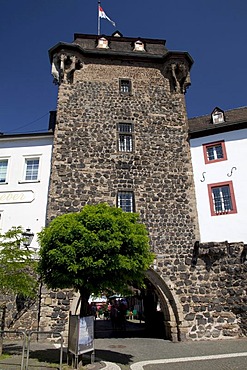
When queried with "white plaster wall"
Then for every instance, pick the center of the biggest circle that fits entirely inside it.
(32, 214)
(231, 227)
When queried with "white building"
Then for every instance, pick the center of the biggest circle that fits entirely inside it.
(25, 163)
(219, 151)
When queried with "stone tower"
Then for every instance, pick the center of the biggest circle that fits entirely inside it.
(121, 133)
(121, 137)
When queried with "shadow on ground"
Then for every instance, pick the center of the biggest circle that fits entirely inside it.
(104, 329)
(133, 329)
(112, 356)
(39, 359)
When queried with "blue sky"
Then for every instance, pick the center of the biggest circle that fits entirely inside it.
(213, 32)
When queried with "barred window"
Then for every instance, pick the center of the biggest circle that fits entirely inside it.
(125, 200)
(125, 137)
(222, 199)
(125, 86)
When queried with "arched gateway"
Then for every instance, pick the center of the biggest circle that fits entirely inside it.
(169, 304)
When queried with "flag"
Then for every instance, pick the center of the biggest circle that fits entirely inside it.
(103, 15)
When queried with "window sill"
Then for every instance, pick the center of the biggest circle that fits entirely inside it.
(3, 183)
(224, 213)
(28, 181)
(215, 160)
(125, 95)
(123, 152)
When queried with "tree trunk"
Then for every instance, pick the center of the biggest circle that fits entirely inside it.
(84, 295)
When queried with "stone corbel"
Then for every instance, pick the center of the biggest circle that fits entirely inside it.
(55, 69)
(64, 66)
(178, 74)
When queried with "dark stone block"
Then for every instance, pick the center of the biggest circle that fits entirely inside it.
(189, 317)
(186, 308)
(61, 295)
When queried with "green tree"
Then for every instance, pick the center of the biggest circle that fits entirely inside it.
(17, 265)
(17, 269)
(98, 249)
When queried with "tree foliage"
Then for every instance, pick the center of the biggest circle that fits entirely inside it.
(96, 250)
(17, 265)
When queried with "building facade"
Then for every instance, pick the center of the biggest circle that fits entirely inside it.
(25, 164)
(218, 149)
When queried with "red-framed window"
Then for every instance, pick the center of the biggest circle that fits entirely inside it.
(221, 198)
(214, 152)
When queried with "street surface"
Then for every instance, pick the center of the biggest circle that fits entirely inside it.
(133, 349)
(143, 353)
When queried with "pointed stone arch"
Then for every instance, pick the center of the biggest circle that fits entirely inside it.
(170, 305)
(169, 302)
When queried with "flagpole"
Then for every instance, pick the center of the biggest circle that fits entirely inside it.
(98, 18)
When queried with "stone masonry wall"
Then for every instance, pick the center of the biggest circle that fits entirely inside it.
(55, 308)
(88, 168)
(210, 282)
(20, 314)
(49, 312)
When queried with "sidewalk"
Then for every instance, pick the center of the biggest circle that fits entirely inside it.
(43, 353)
(123, 349)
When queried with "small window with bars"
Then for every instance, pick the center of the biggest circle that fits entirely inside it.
(31, 169)
(3, 170)
(125, 200)
(214, 152)
(222, 199)
(125, 137)
(125, 86)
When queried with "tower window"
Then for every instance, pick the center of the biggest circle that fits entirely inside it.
(125, 86)
(125, 137)
(125, 200)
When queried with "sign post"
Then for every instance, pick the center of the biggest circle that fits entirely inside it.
(81, 336)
